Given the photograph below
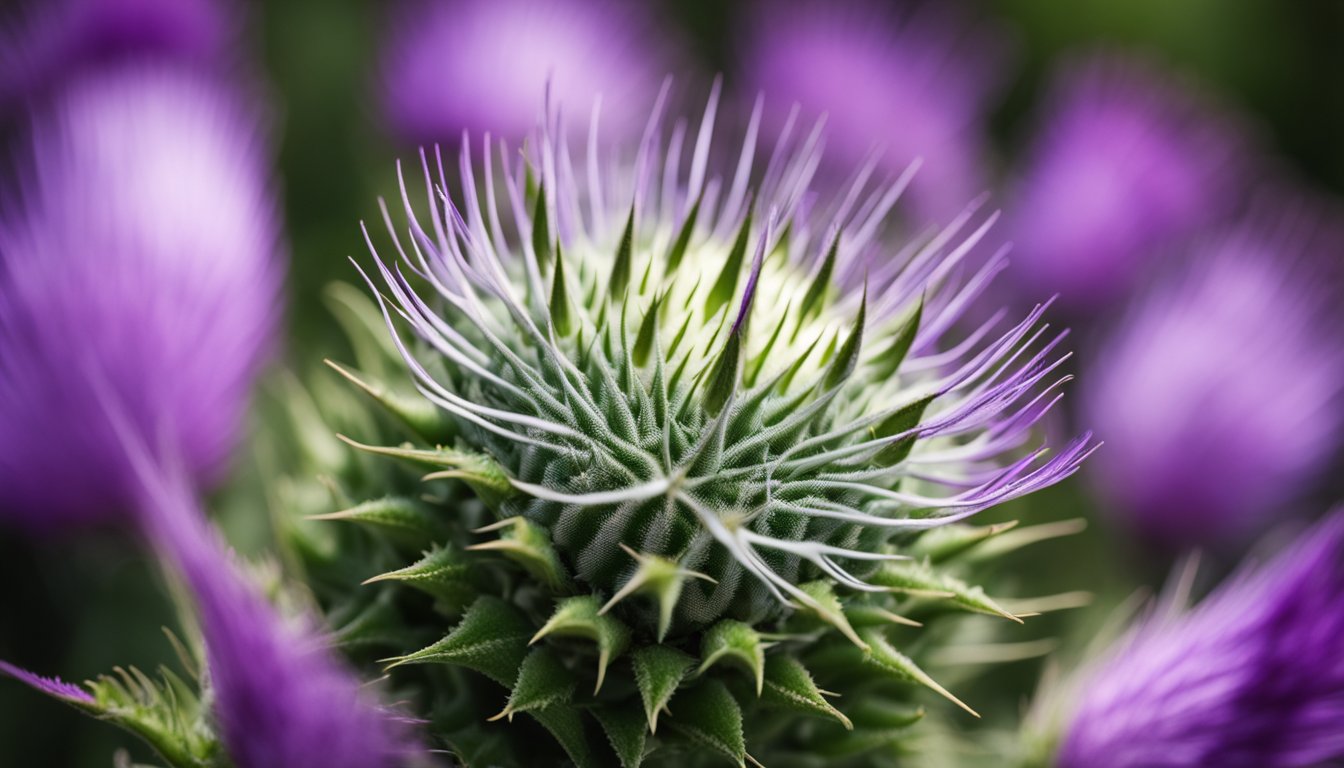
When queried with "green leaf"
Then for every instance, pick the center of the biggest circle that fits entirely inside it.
(644, 338)
(885, 657)
(889, 360)
(542, 682)
(659, 577)
(788, 685)
(566, 725)
(708, 716)
(582, 617)
(659, 670)
(541, 231)
(811, 305)
(848, 357)
(441, 573)
(903, 420)
(407, 517)
(626, 730)
(563, 318)
(529, 545)
(725, 287)
(731, 640)
(678, 250)
(619, 282)
(823, 603)
(490, 639)
(919, 579)
(485, 475)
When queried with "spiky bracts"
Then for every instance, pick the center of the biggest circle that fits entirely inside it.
(686, 405)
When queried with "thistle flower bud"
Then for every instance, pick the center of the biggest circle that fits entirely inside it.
(47, 43)
(1253, 676)
(915, 83)
(1219, 395)
(138, 254)
(480, 65)
(1126, 160)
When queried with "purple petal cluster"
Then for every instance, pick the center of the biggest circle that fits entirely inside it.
(48, 41)
(913, 84)
(1126, 160)
(137, 254)
(1219, 396)
(281, 697)
(1251, 678)
(482, 65)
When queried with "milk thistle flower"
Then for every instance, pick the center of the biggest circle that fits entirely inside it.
(1219, 395)
(1126, 160)
(672, 449)
(45, 44)
(141, 251)
(480, 65)
(1253, 676)
(914, 83)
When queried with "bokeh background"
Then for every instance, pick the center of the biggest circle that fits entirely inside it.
(1258, 83)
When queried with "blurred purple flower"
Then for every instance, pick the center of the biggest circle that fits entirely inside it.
(482, 65)
(1219, 396)
(52, 686)
(1126, 160)
(138, 251)
(918, 84)
(50, 40)
(1251, 678)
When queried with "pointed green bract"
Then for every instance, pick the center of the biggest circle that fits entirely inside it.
(582, 617)
(491, 639)
(542, 682)
(734, 641)
(408, 517)
(528, 545)
(442, 572)
(659, 670)
(885, 657)
(627, 732)
(788, 684)
(708, 716)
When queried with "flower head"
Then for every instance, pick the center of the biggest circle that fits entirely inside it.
(139, 253)
(1219, 395)
(914, 85)
(481, 65)
(1126, 160)
(48, 42)
(1253, 676)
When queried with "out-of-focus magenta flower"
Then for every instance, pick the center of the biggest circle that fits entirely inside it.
(1125, 160)
(138, 253)
(1251, 678)
(1219, 395)
(913, 85)
(50, 40)
(480, 66)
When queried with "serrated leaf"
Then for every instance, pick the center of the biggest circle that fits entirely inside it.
(659, 670)
(919, 579)
(708, 716)
(490, 639)
(731, 640)
(529, 545)
(725, 287)
(903, 420)
(627, 732)
(885, 657)
(408, 517)
(441, 573)
(565, 723)
(542, 682)
(582, 617)
(788, 684)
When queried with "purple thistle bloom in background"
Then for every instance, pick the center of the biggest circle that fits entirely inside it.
(139, 251)
(482, 65)
(1219, 395)
(1126, 160)
(50, 40)
(1251, 678)
(913, 85)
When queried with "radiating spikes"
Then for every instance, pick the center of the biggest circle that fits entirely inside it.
(619, 282)
(816, 291)
(725, 286)
(701, 158)
(563, 314)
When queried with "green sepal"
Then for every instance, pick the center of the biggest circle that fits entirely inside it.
(882, 655)
(619, 282)
(582, 617)
(563, 316)
(659, 670)
(724, 378)
(542, 682)
(731, 640)
(626, 731)
(918, 579)
(816, 291)
(529, 545)
(889, 360)
(823, 604)
(903, 420)
(408, 518)
(725, 287)
(708, 716)
(788, 684)
(848, 357)
(541, 230)
(442, 573)
(490, 639)
(483, 474)
(659, 577)
(678, 249)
